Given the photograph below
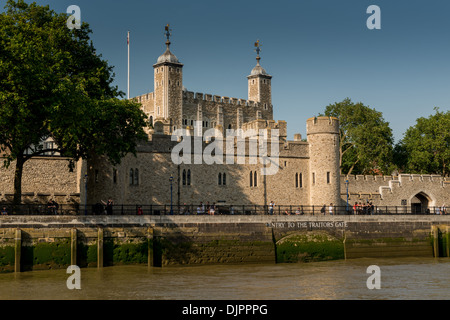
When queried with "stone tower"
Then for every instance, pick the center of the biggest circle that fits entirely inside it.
(323, 140)
(168, 85)
(259, 86)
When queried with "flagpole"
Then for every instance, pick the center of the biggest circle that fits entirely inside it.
(128, 77)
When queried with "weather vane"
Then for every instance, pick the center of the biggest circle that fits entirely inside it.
(167, 32)
(258, 50)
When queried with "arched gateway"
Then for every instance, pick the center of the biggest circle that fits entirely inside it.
(420, 203)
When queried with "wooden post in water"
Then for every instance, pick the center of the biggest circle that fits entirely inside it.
(435, 234)
(73, 246)
(100, 248)
(150, 247)
(345, 246)
(17, 250)
(447, 236)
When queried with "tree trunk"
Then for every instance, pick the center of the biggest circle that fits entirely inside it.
(351, 169)
(18, 181)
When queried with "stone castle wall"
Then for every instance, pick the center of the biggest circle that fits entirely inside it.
(216, 110)
(391, 190)
(201, 183)
(43, 178)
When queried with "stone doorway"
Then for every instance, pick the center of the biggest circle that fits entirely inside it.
(419, 203)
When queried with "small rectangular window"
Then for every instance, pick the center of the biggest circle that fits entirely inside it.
(328, 178)
(314, 178)
(136, 176)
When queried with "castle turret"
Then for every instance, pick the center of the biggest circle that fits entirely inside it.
(168, 83)
(259, 86)
(323, 139)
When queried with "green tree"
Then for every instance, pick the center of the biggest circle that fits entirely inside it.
(427, 144)
(366, 140)
(53, 84)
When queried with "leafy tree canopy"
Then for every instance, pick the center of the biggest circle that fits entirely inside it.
(366, 140)
(54, 84)
(426, 145)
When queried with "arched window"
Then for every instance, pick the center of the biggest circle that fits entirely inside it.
(300, 178)
(136, 176)
(184, 177)
(224, 177)
(131, 180)
(220, 179)
(255, 182)
(114, 175)
(296, 180)
(251, 178)
(189, 177)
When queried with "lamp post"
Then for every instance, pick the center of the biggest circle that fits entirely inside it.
(85, 193)
(346, 184)
(171, 207)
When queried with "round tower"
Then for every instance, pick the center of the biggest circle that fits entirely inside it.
(323, 139)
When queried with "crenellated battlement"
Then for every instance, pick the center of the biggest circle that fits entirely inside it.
(197, 97)
(260, 124)
(144, 97)
(322, 125)
(402, 178)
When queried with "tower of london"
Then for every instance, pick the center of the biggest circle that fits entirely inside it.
(307, 170)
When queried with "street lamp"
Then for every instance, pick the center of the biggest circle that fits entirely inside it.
(346, 184)
(171, 207)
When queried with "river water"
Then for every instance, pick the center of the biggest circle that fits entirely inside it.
(400, 278)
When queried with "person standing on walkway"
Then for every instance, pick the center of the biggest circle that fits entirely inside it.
(109, 206)
(271, 206)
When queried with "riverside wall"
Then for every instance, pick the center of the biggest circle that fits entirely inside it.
(45, 242)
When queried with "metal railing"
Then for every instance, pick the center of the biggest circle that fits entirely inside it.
(219, 209)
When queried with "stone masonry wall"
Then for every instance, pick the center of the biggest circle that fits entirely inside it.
(155, 169)
(43, 177)
(391, 190)
(56, 242)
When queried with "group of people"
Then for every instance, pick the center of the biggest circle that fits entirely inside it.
(52, 206)
(201, 209)
(441, 210)
(206, 209)
(298, 211)
(363, 208)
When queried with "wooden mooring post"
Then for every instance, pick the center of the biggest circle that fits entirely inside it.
(73, 246)
(100, 248)
(17, 250)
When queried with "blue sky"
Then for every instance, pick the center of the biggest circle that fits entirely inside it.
(318, 51)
